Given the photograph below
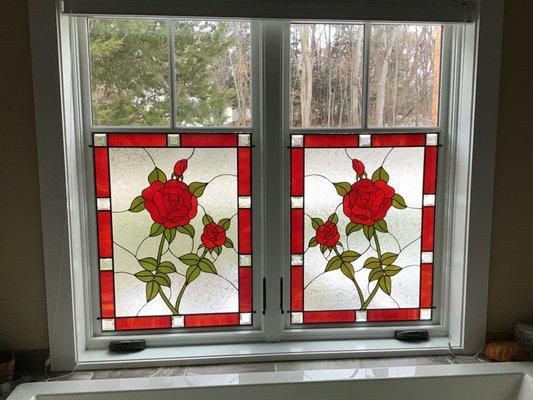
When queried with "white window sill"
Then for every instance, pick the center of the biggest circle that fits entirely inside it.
(233, 353)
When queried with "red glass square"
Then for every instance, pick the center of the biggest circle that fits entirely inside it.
(105, 245)
(107, 296)
(208, 140)
(204, 320)
(297, 288)
(327, 140)
(297, 172)
(244, 170)
(245, 289)
(426, 286)
(136, 140)
(398, 140)
(245, 231)
(297, 239)
(101, 171)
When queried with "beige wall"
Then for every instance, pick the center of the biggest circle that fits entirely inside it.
(22, 298)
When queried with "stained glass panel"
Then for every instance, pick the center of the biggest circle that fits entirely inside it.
(174, 230)
(362, 227)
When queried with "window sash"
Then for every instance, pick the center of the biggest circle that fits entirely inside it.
(270, 49)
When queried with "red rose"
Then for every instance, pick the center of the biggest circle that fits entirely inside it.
(358, 167)
(170, 204)
(367, 201)
(180, 167)
(327, 234)
(214, 235)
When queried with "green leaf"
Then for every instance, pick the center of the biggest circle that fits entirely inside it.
(207, 266)
(372, 263)
(352, 227)
(316, 222)
(186, 230)
(323, 248)
(189, 259)
(157, 175)
(137, 205)
(224, 223)
(162, 279)
(333, 218)
(381, 226)
(156, 229)
(170, 234)
(380, 174)
(197, 188)
(388, 258)
(148, 263)
(333, 264)
(385, 284)
(348, 271)
(350, 255)
(398, 201)
(152, 288)
(343, 188)
(228, 243)
(145, 276)
(313, 242)
(368, 231)
(375, 274)
(218, 250)
(392, 270)
(207, 219)
(166, 267)
(192, 273)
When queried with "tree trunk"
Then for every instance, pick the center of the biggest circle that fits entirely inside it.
(354, 75)
(382, 81)
(306, 76)
(436, 78)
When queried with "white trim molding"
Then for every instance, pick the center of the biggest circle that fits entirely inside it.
(466, 232)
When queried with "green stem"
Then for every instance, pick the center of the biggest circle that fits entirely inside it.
(375, 290)
(180, 295)
(357, 287)
(160, 251)
(167, 301)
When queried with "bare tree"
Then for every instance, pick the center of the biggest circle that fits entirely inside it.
(307, 33)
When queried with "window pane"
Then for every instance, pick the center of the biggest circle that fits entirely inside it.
(174, 230)
(362, 227)
(404, 75)
(213, 73)
(326, 75)
(129, 72)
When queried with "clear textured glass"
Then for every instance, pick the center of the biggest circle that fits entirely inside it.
(129, 71)
(208, 293)
(213, 73)
(404, 75)
(326, 75)
(331, 290)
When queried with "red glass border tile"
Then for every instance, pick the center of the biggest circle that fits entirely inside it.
(101, 171)
(329, 140)
(426, 286)
(209, 140)
(136, 139)
(245, 289)
(430, 170)
(132, 323)
(245, 231)
(105, 243)
(428, 228)
(400, 314)
(322, 317)
(297, 288)
(297, 238)
(107, 294)
(297, 172)
(244, 155)
(398, 140)
(204, 320)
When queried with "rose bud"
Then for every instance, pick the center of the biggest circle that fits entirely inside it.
(180, 167)
(358, 167)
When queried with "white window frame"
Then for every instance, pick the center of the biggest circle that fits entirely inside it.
(57, 102)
